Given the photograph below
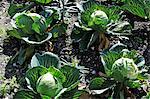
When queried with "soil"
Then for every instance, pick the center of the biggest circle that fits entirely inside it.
(4, 25)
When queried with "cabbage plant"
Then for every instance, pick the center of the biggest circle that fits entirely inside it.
(49, 83)
(46, 79)
(96, 20)
(35, 28)
(122, 61)
(124, 69)
(30, 27)
(33, 24)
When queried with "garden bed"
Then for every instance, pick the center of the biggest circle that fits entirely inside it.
(74, 49)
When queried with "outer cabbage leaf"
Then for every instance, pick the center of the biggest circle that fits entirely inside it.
(99, 85)
(72, 75)
(47, 59)
(27, 39)
(26, 94)
(22, 21)
(71, 82)
(119, 28)
(108, 59)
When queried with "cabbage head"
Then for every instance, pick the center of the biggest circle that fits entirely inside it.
(48, 85)
(98, 18)
(125, 67)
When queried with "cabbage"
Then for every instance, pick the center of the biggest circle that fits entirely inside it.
(30, 27)
(126, 67)
(98, 18)
(47, 85)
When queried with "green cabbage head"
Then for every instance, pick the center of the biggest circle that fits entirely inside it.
(98, 18)
(48, 85)
(125, 67)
